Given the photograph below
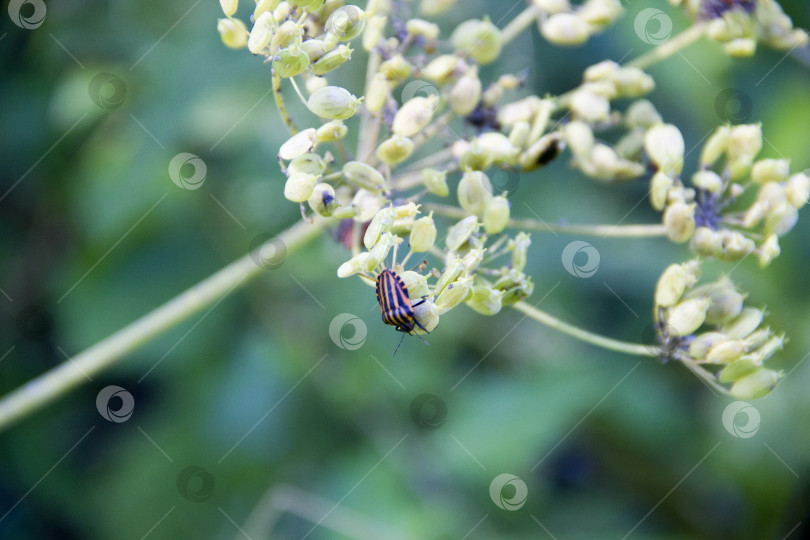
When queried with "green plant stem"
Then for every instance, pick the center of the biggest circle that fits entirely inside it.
(583, 335)
(606, 231)
(665, 50)
(282, 107)
(52, 384)
(520, 23)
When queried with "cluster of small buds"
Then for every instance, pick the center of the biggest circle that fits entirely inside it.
(710, 326)
(704, 213)
(464, 278)
(563, 24)
(740, 24)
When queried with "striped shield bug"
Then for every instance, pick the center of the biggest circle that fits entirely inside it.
(395, 304)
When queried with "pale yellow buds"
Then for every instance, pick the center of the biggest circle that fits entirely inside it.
(262, 33)
(459, 233)
(474, 192)
(660, 185)
(346, 22)
(435, 182)
(422, 28)
(307, 163)
(466, 93)
(756, 384)
(579, 137)
(299, 144)
(740, 47)
(486, 300)
(322, 200)
(416, 284)
(665, 147)
(679, 220)
(381, 223)
(708, 180)
(590, 106)
(332, 60)
(769, 250)
(565, 29)
(675, 280)
(744, 324)
(435, 7)
(455, 293)
(687, 316)
(797, 190)
(395, 150)
(441, 68)
(377, 93)
(373, 33)
(396, 68)
(299, 186)
(700, 346)
(520, 250)
(333, 103)
(364, 176)
(642, 114)
(414, 115)
(423, 234)
(479, 39)
(745, 142)
(726, 302)
(715, 146)
(334, 130)
(496, 215)
(233, 33)
(770, 170)
(290, 62)
(229, 7)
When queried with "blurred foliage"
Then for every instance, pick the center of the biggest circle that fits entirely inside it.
(93, 234)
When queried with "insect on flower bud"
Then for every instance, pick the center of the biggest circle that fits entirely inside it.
(334, 130)
(486, 300)
(299, 187)
(687, 316)
(679, 220)
(299, 144)
(414, 115)
(435, 182)
(333, 103)
(480, 39)
(466, 93)
(323, 200)
(455, 293)
(665, 147)
(674, 282)
(233, 32)
(395, 150)
(756, 384)
(423, 234)
(461, 232)
(496, 215)
(416, 284)
(428, 316)
(474, 191)
(565, 29)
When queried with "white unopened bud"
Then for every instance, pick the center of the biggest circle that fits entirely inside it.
(520, 250)
(486, 300)
(299, 187)
(679, 220)
(665, 147)
(454, 294)
(261, 33)
(579, 137)
(395, 150)
(474, 191)
(333, 103)
(797, 190)
(660, 185)
(423, 234)
(233, 32)
(770, 170)
(414, 115)
(675, 280)
(756, 384)
(565, 29)
(299, 144)
(435, 182)
(708, 180)
(459, 233)
(589, 106)
(743, 324)
(466, 93)
(496, 215)
(480, 39)
(745, 142)
(687, 316)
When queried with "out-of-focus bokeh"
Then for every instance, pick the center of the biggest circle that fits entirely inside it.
(249, 416)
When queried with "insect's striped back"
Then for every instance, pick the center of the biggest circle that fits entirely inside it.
(395, 304)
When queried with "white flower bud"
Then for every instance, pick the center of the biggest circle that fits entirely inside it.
(453, 270)
(744, 324)
(415, 115)
(679, 220)
(428, 316)
(756, 384)
(740, 47)
(565, 29)
(675, 280)
(396, 68)
(496, 215)
(479, 39)
(797, 190)
(323, 200)
(486, 300)
(395, 150)
(353, 266)
(553, 6)
(738, 369)
(435, 182)
(374, 31)
(422, 28)
(233, 32)
(364, 176)
(520, 249)
(299, 144)
(726, 302)
(708, 180)
(454, 294)
(665, 147)
(307, 163)
(416, 284)
(523, 110)
(466, 93)
(700, 346)
(745, 142)
(474, 191)
(299, 187)
(334, 130)
(589, 106)
(441, 68)
(715, 146)
(473, 259)
(687, 316)
(770, 170)
(423, 234)
(706, 242)
(459, 233)
(261, 33)
(333, 103)
(367, 204)
(726, 352)
(381, 223)
(769, 250)
(780, 220)
(579, 137)
(435, 7)
(229, 7)
(660, 185)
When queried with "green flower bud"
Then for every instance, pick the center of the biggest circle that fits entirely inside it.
(323, 199)
(687, 316)
(307, 163)
(290, 62)
(516, 286)
(708, 180)
(565, 29)
(435, 182)
(496, 215)
(416, 284)
(735, 246)
(700, 346)
(679, 220)
(395, 150)
(353, 266)
(737, 370)
(553, 6)
(519, 135)
(726, 352)
(263, 6)
(473, 258)
(451, 273)
(299, 187)
(423, 234)
(770, 170)
(520, 250)
(346, 22)
(474, 192)
(466, 93)
(414, 115)
(476, 157)
(315, 48)
(435, 7)
(333, 103)
(299, 144)
(589, 106)
(674, 282)
(367, 204)
(757, 339)
(332, 60)
(380, 223)
(377, 93)
(428, 316)
(396, 68)
(768, 349)
(486, 300)
(745, 142)
(309, 5)
(726, 302)
(756, 384)
(261, 33)
(715, 146)
(287, 35)
(665, 147)
(334, 130)
(454, 294)
(660, 185)
(441, 68)
(461, 232)
(769, 250)
(642, 114)
(374, 32)
(744, 324)
(579, 137)
(740, 47)
(233, 32)
(479, 39)
(422, 28)
(364, 176)
(797, 190)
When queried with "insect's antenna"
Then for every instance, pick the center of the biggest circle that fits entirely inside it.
(400, 343)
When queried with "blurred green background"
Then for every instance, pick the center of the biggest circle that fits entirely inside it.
(252, 410)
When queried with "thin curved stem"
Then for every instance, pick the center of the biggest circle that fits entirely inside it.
(605, 231)
(282, 107)
(674, 45)
(626, 347)
(520, 23)
(52, 384)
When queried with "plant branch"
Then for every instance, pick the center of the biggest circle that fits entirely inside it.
(52, 384)
(520, 23)
(282, 107)
(674, 45)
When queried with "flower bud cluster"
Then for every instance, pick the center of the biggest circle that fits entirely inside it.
(710, 326)
(568, 25)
